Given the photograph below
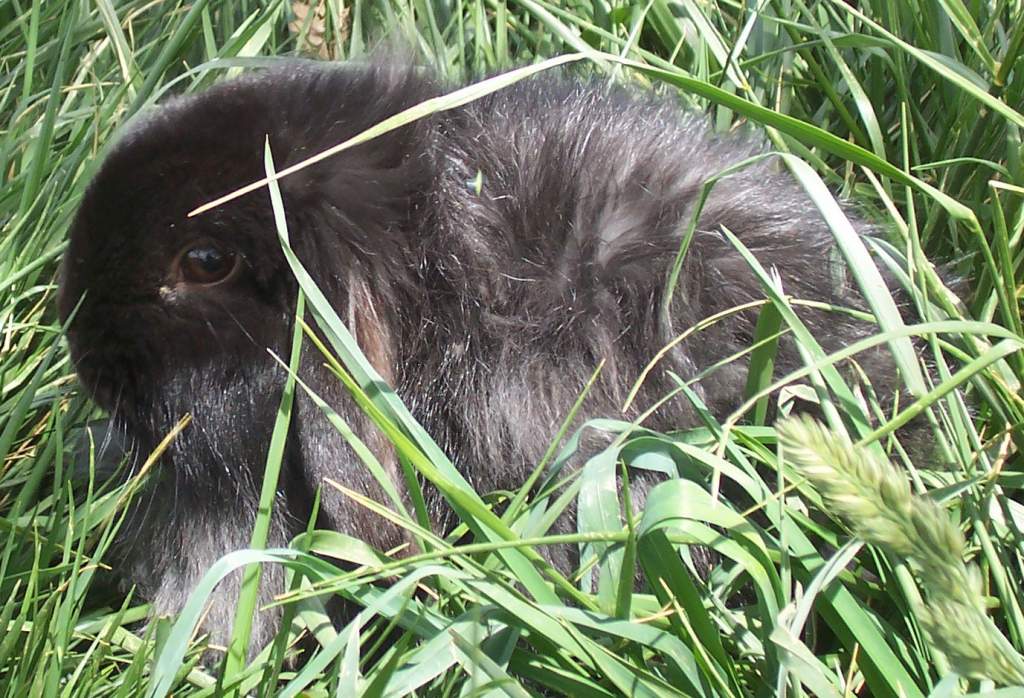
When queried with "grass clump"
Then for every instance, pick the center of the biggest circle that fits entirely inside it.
(911, 109)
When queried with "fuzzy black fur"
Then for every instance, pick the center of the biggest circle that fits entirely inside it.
(487, 308)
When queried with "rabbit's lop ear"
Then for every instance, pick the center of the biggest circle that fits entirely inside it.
(351, 220)
(329, 460)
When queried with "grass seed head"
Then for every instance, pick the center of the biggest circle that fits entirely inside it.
(875, 500)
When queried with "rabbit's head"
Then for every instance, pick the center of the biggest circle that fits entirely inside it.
(172, 309)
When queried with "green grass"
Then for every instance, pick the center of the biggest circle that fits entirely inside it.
(914, 109)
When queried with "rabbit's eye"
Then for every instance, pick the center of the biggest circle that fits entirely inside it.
(207, 264)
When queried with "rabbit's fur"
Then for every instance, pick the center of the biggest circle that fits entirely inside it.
(487, 259)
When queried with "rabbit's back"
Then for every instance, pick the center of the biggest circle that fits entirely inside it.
(557, 212)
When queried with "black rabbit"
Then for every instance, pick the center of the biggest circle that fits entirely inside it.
(486, 258)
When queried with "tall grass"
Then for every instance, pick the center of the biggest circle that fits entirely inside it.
(914, 109)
